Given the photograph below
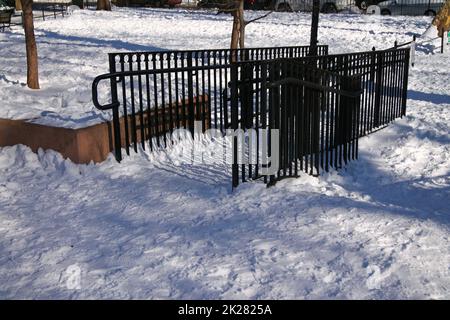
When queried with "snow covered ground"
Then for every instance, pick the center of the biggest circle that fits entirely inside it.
(73, 50)
(147, 228)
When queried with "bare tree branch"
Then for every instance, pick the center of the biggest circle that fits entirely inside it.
(259, 18)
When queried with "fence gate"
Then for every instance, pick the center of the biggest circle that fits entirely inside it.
(293, 117)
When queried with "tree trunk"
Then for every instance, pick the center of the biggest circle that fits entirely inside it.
(103, 5)
(314, 28)
(241, 25)
(238, 32)
(235, 31)
(442, 19)
(30, 43)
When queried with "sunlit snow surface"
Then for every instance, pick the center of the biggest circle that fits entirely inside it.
(152, 228)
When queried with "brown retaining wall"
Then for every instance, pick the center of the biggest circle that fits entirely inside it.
(83, 145)
(79, 145)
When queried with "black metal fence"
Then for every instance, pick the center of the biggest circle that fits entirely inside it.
(320, 107)
(154, 93)
(43, 10)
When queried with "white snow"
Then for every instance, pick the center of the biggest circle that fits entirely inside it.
(149, 228)
(73, 50)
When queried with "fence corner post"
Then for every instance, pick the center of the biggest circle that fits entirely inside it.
(191, 111)
(378, 84)
(234, 122)
(116, 119)
(413, 50)
(405, 83)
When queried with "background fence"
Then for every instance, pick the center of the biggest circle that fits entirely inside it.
(411, 7)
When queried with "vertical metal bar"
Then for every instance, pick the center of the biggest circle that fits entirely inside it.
(388, 91)
(378, 86)
(197, 104)
(163, 125)
(155, 94)
(273, 123)
(292, 141)
(203, 97)
(116, 121)
(133, 107)
(258, 115)
(178, 123)
(149, 113)
(225, 95)
(405, 83)
(191, 118)
(209, 89)
(327, 121)
(264, 112)
(216, 120)
(400, 83)
(333, 124)
(234, 122)
(184, 103)
(141, 108)
(170, 106)
(366, 107)
(221, 95)
(112, 69)
(373, 91)
(296, 106)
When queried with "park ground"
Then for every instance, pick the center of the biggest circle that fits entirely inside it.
(149, 228)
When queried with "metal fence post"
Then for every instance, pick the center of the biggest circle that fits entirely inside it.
(378, 85)
(234, 122)
(191, 115)
(116, 120)
(405, 82)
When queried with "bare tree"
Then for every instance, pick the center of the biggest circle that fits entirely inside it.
(103, 5)
(236, 8)
(30, 44)
(314, 28)
(442, 19)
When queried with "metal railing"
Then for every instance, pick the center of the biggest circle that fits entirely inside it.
(320, 105)
(49, 10)
(153, 93)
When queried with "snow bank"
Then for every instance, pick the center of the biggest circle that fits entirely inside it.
(149, 228)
